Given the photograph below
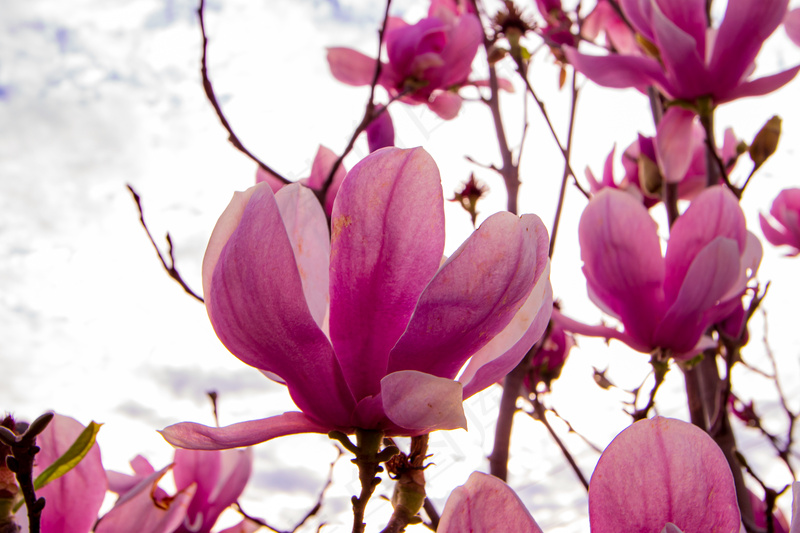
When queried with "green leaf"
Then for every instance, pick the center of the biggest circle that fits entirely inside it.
(71, 457)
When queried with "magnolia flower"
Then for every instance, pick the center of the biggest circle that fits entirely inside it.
(484, 504)
(782, 227)
(666, 301)
(426, 59)
(644, 166)
(687, 60)
(207, 483)
(320, 169)
(370, 329)
(663, 472)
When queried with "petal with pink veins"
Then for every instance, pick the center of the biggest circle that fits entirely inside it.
(485, 504)
(199, 437)
(474, 296)
(618, 71)
(387, 241)
(258, 308)
(445, 104)
(682, 56)
(422, 402)
(307, 228)
(662, 471)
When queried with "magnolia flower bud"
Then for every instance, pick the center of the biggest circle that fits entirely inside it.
(766, 141)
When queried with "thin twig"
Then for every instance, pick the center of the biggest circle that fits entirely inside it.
(209, 90)
(169, 267)
(540, 414)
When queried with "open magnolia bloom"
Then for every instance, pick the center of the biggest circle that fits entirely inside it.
(687, 60)
(370, 329)
(665, 301)
(782, 228)
(207, 483)
(664, 475)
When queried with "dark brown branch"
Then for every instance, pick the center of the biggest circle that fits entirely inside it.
(169, 267)
(212, 97)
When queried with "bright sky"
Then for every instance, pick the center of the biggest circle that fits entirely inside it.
(94, 95)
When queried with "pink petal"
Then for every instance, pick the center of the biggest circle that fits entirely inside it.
(380, 132)
(307, 228)
(713, 272)
(662, 471)
(258, 308)
(136, 512)
(746, 25)
(199, 437)
(795, 507)
(320, 169)
(682, 55)
(220, 477)
(622, 260)
(351, 67)
(674, 143)
(74, 499)
(387, 242)
(422, 402)
(791, 23)
(618, 71)
(245, 526)
(485, 504)
(773, 233)
(759, 86)
(639, 13)
(714, 213)
(263, 175)
(506, 349)
(445, 104)
(463, 42)
(474, 296)
(688, 15)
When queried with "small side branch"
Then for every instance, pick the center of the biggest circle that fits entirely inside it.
(168, 266)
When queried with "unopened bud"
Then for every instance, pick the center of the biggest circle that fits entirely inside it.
(650, 179)
(766, 141)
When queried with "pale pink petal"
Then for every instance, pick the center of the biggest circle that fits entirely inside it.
(791, 23)
(136, 512)
(573, 326)
(713, 272)
(307, 228)
(446, 104)
(713, 213)
(485, 504)
(380, 132)
(671, 528)
(674, 143)
(474, 296)
(795, 507)
(387, 241)
(746, 25)
(258, 309)
(748, 266)
(351, 67)
(502, 83)
(639, 13)
(321, 167)
(264, 175)
(74, 499)
(618, 71)
(688, 15)
(422, 402)
(774, 234)
(622, 260)
(663, 471)
(497, 358)
(199, 437)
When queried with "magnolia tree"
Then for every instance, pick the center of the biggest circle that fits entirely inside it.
(337, 287)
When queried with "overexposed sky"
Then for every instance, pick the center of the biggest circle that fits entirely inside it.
(94, 95)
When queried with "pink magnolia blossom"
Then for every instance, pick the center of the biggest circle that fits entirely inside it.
(605, 19)
(663, 471)
(641, 159)
(74, 499)
(370, 329)
(692, 61)
(320, 169)
(666, 301)
(782, 227)
(207, 483)
(485, 504)
(426, 60)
